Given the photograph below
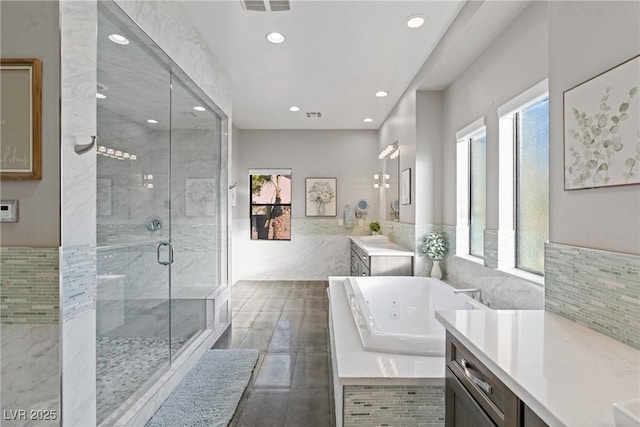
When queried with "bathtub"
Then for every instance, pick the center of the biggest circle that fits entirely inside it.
(396, 314)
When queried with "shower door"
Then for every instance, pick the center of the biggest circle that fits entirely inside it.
(159, 213)
(133, 218)
(195, 211)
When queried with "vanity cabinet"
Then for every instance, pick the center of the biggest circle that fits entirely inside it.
(365, 263)
(475, 397)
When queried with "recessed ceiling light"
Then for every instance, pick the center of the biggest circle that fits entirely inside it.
(199, 108)
(294, 108)
(415, 21)
(152, 121)
(367, 120)
(382, 93)
(117, 38)
(275, 38)
(100, 95)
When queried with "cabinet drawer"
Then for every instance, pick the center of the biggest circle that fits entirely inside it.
(461, 409)
(492, 395)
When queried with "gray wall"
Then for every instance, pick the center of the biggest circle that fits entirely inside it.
(400, 125)
(604, 218)
(319, 247)
(428, 168)
(30, 30)
(351, 156)
(514, 62)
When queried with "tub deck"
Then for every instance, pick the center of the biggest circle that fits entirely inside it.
(373, 388)
(357, 366)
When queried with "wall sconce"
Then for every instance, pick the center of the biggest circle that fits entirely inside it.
(115, 154)
(381, 179)
(146, 181)
(391, 151)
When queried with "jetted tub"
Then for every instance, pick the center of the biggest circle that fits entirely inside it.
(396, 314)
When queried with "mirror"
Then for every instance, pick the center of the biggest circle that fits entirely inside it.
(362, 208)
(391, 193)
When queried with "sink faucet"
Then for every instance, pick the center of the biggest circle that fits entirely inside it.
(471, 291)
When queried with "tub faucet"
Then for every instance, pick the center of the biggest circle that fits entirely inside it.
(471, 291)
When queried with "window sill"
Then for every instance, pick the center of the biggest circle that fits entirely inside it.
(538, 280)
(475, 259)
(534, 278)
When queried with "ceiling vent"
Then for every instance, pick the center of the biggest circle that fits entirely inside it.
(266, 5)
(314, 114)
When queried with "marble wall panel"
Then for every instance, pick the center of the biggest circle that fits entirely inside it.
(318, 248)
(79, 370)
(30, 374)
(78, 121)
(170, 28)
(499, 289)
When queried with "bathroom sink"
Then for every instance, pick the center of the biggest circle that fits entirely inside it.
(627, 413)
(375, 239)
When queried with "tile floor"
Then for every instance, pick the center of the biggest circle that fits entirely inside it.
(287, 321)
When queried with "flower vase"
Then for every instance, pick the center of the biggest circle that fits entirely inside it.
(320, 209)
(436, 272)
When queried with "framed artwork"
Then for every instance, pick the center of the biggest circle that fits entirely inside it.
(321, 196)
(20, 119)
(270, 204)
(200, 197)
(602, 129)
(405, 187)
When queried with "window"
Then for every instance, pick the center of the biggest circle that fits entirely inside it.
(532, 185)
(477, 193)
(524, 182)
(270, 205)
(471, 190)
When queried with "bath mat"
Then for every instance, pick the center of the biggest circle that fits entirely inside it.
(209, 394)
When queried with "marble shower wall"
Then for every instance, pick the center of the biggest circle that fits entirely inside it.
(78, 216)
(124, 204)
(196, 208)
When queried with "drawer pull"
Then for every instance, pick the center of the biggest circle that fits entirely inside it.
(485, 386)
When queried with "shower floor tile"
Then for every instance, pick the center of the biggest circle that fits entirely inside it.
(124, 364)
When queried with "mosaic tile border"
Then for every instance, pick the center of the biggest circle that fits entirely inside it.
(491, 248)
(400, 405)
(78, 271)
(598, 289)
(29, 285)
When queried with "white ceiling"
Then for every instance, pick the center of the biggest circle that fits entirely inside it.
(337, 55)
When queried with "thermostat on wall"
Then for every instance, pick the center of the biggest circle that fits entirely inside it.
(8, 211)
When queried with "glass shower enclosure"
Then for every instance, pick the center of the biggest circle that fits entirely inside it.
(159, 213)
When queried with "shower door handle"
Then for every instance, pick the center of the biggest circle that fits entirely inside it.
(171, 253)
(170, 246)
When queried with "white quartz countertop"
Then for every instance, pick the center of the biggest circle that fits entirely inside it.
(357, 366)
(566, 373)
(381, 248)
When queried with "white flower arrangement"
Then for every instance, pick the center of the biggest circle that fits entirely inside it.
(435, 246)
(321, 193)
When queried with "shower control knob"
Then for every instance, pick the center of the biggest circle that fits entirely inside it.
(154, 223)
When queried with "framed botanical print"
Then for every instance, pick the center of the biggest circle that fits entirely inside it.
(321, 197)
